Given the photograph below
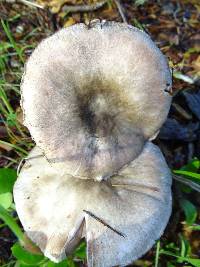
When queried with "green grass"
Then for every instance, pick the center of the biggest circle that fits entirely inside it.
(12, 43)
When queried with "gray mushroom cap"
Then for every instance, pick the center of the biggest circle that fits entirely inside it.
(55, 210)
(92, 96)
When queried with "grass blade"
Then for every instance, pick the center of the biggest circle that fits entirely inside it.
(12, 41)
(10, 222)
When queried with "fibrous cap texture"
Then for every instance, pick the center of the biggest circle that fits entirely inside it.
(92, 96)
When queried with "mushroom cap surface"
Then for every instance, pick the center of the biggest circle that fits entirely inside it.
(92, 96)
(55, 210)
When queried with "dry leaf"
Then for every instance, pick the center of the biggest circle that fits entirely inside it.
(70, 21)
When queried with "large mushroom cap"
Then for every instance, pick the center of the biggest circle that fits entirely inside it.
(56, 211)
(93, 95)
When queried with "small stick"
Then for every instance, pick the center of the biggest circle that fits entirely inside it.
(121, 11)
(182, 111)
(104, 223)
(191, 184)
(26, 2)
(83, 8)
(31, 4)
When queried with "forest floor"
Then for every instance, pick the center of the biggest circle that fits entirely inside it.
(175, 27)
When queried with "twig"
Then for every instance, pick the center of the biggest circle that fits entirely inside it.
(83, 8)
(121, 11)
(104, 223)
(31, 4)
(185, 181)
(26, 2)
(182, 111)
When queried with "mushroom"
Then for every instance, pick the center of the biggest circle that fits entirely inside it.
(93, 99)
(120, 218)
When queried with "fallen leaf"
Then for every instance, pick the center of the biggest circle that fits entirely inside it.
(70, 21)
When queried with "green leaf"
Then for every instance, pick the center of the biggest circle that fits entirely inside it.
(81, 251)
(64, 263)
(189, 210)
(11, 223)
(157, 254)
(169, 264)
(6, 200)
(195, 227)
(7, 179)
(192, 166)
(185, 247)
(19, 264)
(194, 262)
(26, 257)
(189, 174)
(172, 246)
(11, 119)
